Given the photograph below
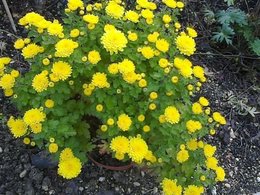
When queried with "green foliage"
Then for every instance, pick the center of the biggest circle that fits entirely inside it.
(230, 2)
(255, 46)
(233, 22)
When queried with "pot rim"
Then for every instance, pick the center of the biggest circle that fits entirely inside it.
(109, 167)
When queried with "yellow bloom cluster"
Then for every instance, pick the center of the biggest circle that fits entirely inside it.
(138, 149)
(124, 122)
(75, 4)
(186, 44)
(170, 187)
(137, 82)
(193, 126)
(17, 127)
(40, 82)
(60, 71)
(65, 47)
(31, 50)
(113, 40)
(69, 166)
(135, 147)
(114, 10)
(172, 115)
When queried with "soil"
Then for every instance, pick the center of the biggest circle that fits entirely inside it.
(232, 87)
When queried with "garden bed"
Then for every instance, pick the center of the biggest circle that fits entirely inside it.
(238, 142)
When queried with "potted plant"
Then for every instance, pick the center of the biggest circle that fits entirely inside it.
(128, 68)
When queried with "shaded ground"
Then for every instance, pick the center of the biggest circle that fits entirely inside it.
(233, 86)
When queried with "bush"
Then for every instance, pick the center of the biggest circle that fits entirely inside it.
(127, 68)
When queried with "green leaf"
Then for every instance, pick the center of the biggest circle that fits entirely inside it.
(255, 46)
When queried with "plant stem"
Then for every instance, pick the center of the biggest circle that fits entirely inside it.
(9, 33)
(9, 15)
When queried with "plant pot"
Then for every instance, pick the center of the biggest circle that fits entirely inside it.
(111, 167)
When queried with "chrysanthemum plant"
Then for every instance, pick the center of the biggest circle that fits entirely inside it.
(129, 68)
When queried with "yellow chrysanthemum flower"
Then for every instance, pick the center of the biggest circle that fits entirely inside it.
(69, 168)
(53, 147)
(74, 33)
(94, 57)
(36, 127)
(182, 156)
(147, 52)
(132, 16)
(150, 157)
(198, 72)
(192, 144)
(170, 187)
(132, 36)
(120, 144)
(137, 149)
(66, 154)
(193, 126)
(147, 14)
(7, 81)
(203, 101)
(75, 4)
(209, 150)
(61, 70)
(170, 3)
(114, 10)
(130, 77)
(49, 103)
(55, 28)
(186, 44)
(114, 41)
(113, 68)
(219, 118)
(126, 66)
(90, 18)
(19, 44)
(211, 163)
(34, 116)
(220, 172)
(193, 190)
(167, 18)
(65, 47)
(124, 122)
(100, 80)
(40, 82)
(31, 50)
(172, 115)
(191, 32)
(197, 108)
(17, 127)
(162, 45)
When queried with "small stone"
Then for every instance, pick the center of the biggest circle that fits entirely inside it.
(23, 173)
(52, 192)
(101, 179)
(1, 150)
(142, 173)
(155, 190)
(46, 183)
(258, 179)
(231, 173)
(117, 189)
(214, 191)
(136, 184)
(81, 189)
(9, 193)
(227, 185)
